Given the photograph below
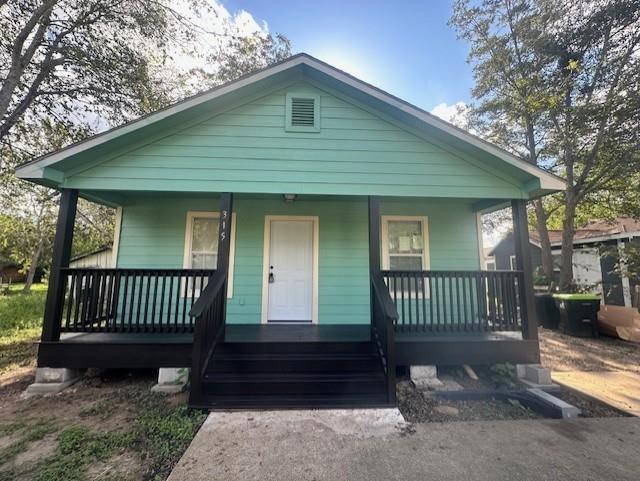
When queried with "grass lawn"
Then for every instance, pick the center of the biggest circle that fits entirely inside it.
(20, 326)
(107, 427)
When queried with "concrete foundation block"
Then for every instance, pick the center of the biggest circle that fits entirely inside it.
(52, 380)
(534, 373)
(425, 377)
(569, 411)
(171, 380)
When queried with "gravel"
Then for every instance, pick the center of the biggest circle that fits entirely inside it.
(417, 407)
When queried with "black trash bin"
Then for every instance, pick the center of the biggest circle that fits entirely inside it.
(578, 314)
(547, 310)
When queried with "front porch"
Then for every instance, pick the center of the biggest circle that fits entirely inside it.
(143, 317)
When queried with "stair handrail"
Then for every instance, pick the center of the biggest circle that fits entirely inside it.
(384, 315)
(209, 316)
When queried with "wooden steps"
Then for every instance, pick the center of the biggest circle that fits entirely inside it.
(294, 374)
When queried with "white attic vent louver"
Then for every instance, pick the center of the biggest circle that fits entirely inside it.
(303, 113)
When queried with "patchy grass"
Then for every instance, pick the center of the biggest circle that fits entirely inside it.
(20, 325)
(106, 428)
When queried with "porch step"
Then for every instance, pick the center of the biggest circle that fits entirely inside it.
(293, 347)
(282, 362)
(293, 383)
(294, 374)
(292, 401)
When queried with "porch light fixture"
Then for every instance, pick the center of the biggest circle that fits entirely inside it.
(289, 197)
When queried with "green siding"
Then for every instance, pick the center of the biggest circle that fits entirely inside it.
(247, 150)
(153, 232)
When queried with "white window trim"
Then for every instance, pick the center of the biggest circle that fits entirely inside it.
(186, 263)
(384, 233)
(426, 262)
(513, 263)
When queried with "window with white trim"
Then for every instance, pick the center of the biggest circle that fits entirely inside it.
(201, 245)
(513, 265)
(405, 247)
(405, 243)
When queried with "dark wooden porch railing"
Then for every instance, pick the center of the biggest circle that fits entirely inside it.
(383, 317)
(130, 300)
(457, 301)
(209, 315)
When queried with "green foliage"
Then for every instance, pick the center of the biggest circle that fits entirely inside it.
(158, 434)
(20, 326)
(504, 375)
(556, 83)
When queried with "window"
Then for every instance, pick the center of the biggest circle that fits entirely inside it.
(490, 265)
(201, 244)
(513, 265)
(405, 243)
(302, 113)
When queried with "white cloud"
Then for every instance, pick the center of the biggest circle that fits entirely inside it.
(457, 113)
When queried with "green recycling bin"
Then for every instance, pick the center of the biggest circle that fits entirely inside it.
(578, 314)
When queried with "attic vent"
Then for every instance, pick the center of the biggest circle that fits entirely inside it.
(303, 113)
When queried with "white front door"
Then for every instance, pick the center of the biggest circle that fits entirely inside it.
(290, 271)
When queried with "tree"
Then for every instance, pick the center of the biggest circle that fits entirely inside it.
(557, 83)
(509, 72)
(70, 68)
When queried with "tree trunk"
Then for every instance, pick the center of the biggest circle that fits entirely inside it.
(568, 233)
(35, 259)
(545, 243)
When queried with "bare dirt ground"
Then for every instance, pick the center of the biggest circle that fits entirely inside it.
(600, 373)
(108, 426)
(561, 352)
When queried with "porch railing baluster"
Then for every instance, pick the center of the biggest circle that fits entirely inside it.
(95, 301)
(455, 301)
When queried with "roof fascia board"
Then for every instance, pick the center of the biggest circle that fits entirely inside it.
(547, 180)
(422, 135)
(603, 238)
(184, 126)
(162, 114)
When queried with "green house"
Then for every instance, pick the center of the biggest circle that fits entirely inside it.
(292, 237)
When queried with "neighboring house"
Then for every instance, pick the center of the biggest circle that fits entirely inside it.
(102, 257)
(12, 272)
(488, 260)
(291, 237)
(595, 256)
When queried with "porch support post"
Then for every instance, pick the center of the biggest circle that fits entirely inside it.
(523, 262)
(61, 256)
(374, 248)
(374, 234)
(224, 247)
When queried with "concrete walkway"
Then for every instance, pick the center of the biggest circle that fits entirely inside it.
(616, 388)
(377, 445)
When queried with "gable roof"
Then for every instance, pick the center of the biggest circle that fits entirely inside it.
(44, 169)
(594, 231)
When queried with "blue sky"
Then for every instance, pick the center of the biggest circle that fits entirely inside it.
(404, 47)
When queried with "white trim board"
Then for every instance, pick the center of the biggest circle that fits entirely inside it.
(186, 260)
(265, 263)
(116, 237)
